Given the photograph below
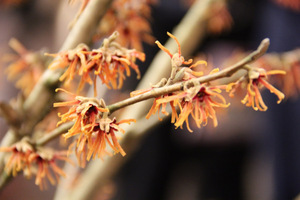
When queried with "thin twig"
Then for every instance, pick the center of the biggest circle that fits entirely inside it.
(227, 72)
(53, 134)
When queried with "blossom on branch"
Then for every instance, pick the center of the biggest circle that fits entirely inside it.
(109, 63)
(71, 59)
(104, 133)
(84, 111)
(93, 127)
(198, 101)
(38, 160)
(100, 141)
(45, 160)
(18, 159)
(253, 81)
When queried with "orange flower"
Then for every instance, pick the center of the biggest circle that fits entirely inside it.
(178, 74)
(104, 133)
(71, 59)
(159, 103)
(197, 101)
(94, 143)
(45, 159)
(93, 127)
(109, 63)
(84, 111)
(130, 19)
(27, 67)
(176, 59)
(25, 157)
(255, 80)
(18, 159)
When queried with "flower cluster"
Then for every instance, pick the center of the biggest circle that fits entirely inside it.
(254, 80)
(93, 127)
(40, 161)
(130, 19)
(26, 68)
(197, 100)
(109, 63)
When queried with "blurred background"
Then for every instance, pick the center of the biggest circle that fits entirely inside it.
(250, 155)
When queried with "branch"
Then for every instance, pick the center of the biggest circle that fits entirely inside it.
(156, 92)
(227, 72)
(53, 134)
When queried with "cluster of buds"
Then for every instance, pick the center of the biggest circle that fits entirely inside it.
(92, 126)
(109, 63)
(34, 160)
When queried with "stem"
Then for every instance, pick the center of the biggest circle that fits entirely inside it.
(227, 72)
(53, 134)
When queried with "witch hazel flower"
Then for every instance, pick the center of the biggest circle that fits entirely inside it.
(105, 133)
(83, 111)
(254, 81)
(71, 60)
(100, 142)
(179, 72)
(198, 101)
(38, 161)
(18, 159)
(110, 62)
(45, 160)
(95, 131)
